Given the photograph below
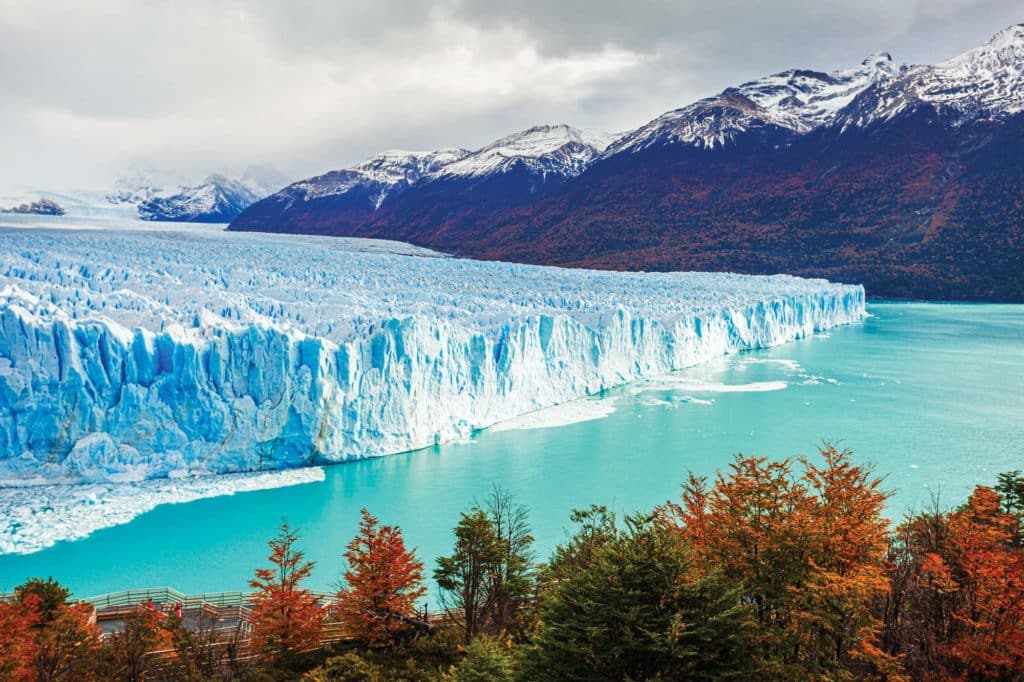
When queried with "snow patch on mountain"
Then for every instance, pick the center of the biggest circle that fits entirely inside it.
(128, 356)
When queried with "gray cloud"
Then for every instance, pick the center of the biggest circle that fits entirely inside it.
(89, 89)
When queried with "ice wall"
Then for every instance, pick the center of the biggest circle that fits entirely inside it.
(133, 356)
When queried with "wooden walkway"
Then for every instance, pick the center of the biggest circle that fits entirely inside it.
(226, 617)
(225, 613)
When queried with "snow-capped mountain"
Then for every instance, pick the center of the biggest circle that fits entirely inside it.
(152, 196)
(217, 199)
(508, 170)
(906, 178)
(986, 81)
(559, 151)
(790, 103)
(377, 177)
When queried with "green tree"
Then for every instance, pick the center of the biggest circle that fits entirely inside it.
(490, 577)
(487, 660)
(640, 609)
(1010, 486)
(595, 527)
(52, 596)
(349, 667)
(515, 579)
(465, 578)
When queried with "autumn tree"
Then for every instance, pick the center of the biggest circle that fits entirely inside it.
(957, 605)
(68, 646)
(203, 649)
(126, 653)
(382, 582)
(808, 549)
(286, 618)
(18, 620)
(988, 568)
(67, 642)
(917, 612)
(848, 571)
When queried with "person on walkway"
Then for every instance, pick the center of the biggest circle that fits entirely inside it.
(177, 610)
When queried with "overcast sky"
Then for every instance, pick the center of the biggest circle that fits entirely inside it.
(92, 89)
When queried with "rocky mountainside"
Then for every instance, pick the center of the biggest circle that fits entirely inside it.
(41, 206)
(906, 178)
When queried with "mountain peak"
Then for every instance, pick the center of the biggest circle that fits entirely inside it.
(558, 149)
(789, 102)
(1009, 37)
(877, 58)
(985, 80)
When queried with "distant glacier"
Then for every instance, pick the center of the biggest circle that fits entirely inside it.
(127, 356)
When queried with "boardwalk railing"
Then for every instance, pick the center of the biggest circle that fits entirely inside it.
(169, 595)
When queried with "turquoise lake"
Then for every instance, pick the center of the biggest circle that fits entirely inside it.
(931, 394)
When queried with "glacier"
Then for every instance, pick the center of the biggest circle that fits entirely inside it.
(127, 356)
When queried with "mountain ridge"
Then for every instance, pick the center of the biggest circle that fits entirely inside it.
(904, 178)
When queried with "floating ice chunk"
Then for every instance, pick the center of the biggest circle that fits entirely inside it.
(572, 412)
(33, 518)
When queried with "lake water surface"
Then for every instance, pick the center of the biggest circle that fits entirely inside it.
(932, 394)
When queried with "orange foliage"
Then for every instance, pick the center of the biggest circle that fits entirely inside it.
(17, 638)
(286, 618)
(383, 580)
(809, 551)
(989, 571)
(68, 646)
(958, 593)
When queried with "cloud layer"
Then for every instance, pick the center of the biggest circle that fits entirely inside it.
(89, 90)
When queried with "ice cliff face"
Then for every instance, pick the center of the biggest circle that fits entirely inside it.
(131, 356)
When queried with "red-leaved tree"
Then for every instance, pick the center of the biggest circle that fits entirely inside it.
(383, 580)
(286, 618)
(18, 620)
(68, 646)
(989, 571)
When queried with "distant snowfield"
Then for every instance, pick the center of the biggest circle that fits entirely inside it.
(154, 358)
(114, 219)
